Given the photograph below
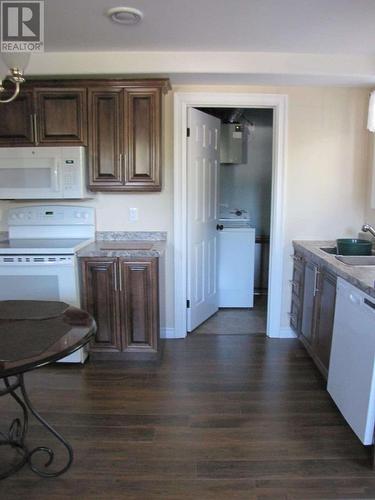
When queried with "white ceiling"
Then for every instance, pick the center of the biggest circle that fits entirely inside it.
(294, 26)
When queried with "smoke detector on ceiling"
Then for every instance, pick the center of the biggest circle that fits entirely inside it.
(125, 15)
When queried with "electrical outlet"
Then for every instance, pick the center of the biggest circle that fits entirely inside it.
(133, 214)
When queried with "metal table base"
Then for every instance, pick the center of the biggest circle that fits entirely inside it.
(16, 435)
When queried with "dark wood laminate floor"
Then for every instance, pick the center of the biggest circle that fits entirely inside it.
(222, 417)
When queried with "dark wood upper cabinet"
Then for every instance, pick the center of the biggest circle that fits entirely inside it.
(119, 121)
(106, 141)
(16, 121)
(125, 137)
(142, 167)
(45, 117)
(61, 116)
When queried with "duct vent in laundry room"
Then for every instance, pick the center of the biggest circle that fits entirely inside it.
(233, 144)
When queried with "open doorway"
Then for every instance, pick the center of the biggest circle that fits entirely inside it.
(240, 251)
(183, 101)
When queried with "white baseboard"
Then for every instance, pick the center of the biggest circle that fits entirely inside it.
(284, 333)
(167, 333)
(287, 333)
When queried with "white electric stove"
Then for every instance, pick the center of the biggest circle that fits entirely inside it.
(38, 261)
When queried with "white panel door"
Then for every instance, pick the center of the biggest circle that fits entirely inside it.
(203, 150)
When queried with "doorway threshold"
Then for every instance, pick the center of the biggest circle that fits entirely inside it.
(237, 321)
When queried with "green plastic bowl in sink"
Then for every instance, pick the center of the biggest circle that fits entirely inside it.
(353, 246)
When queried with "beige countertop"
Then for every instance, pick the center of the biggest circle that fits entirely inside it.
(123, 248)
(362, 277)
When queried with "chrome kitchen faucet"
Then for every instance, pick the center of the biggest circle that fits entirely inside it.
(370, 229)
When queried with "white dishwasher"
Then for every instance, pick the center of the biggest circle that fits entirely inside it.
(351, 376)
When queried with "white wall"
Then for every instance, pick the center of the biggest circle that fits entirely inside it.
(370, 211)
(248, 185)
(326, 174)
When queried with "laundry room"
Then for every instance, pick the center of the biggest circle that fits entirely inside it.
(244, 218)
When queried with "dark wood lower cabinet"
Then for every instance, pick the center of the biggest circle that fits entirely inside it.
(313, 308)
(122, 295)
(309, 302)
(140, 304)
(297, 293)
(99, 297)
(325, 317)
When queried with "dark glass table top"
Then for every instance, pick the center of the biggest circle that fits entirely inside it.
(34, 333)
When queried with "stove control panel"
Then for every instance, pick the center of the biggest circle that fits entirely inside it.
(51, 215)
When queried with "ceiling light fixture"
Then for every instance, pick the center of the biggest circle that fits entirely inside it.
(15, 63)
(125, 15)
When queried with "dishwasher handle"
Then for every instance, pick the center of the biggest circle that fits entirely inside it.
(368, 303)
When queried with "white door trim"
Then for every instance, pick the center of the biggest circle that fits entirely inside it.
(279, 103)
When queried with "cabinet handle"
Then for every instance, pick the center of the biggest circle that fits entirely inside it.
(36, 140)
(115, 280)
(124, 159)
(32, 128)
(294, 284)
(119, 278)
(297, 258)
(316, 274)
(369, 303)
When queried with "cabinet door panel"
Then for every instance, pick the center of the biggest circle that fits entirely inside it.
(105, 132)
(295, 314)
(99, 298)
(142, 111)
(139, 304)
(16, 125)
(61, 116)
(324, 328)
(307, 326)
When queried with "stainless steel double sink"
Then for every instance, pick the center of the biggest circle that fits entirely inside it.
(352, 260)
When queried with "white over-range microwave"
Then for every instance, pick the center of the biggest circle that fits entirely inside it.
(43, 173)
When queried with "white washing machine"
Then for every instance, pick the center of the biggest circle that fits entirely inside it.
(236, 259)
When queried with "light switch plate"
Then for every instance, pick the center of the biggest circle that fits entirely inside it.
(133, 214)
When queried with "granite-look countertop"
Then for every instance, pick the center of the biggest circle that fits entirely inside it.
(125, 244)
(363, 277)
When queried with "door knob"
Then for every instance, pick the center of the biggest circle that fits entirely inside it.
(219, 227)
